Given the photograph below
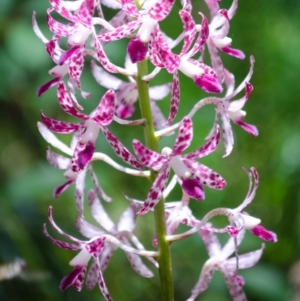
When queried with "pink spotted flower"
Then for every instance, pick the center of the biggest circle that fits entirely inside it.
(179, 213)
(192, 175)
(229, 110)
(162, 57)
(238, 218)
(87, 250)
(241, 220)
(221, 261)
(64, 163)
(69, 62)
(81, 26)
(88, 129)
(127, 94)
(123, 231)
(98, 248)
(218, 36)
(145, 21)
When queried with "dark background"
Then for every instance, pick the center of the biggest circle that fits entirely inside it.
(269, 30)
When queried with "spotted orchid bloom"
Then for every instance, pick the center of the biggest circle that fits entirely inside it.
(241, 220)
(106, 240)
(71, 62)
(64, 163)
(145, 21)
(79, 14)
(162, 56)
(218, 36)
(179, 213)
(238, 219)
(127, 95)
(123, 231)
(220, 260)
(68, 62)
(228, 109)
(87, 250)
(88, 129)
(192, 174)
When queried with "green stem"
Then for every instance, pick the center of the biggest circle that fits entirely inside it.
(164, 257)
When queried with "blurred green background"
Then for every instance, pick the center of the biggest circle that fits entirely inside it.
(269, 30)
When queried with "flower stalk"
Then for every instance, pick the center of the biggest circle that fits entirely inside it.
(164, 257)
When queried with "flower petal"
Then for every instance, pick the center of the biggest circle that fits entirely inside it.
(104, 78)
(127, 219)
(60, 189)
(264, 234)
(137, 263)
(156, 191)
(66, 102)
(193, 188)
(159, 92)
(189, 30)
(104, 113)
(97, 186)
(45, 87)
(159, 120)
(75, 278)
(247, 260)
(184, 137)
(233, 284)
(59, 29)
(120, 149)
(211, 242)
(137, 50)
(208, 83)
(53, 140)
(105, 62)
(175, 98)
(60, 127)
(251, 129)
(148, 157)
(82, 155)
(59, 243)
(37, 30)
(56, 160)
(130, 8)
(87, 229)
(205, 175)
(161, 9)
(101, 282)
(79, 190)
(85, 12)
(209, 147)
(234, 52)
(99, 214)
(203, 36)
(216, 61)
(203, 281)
(120, 32)
(91, 278)
(62, 10)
